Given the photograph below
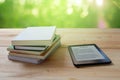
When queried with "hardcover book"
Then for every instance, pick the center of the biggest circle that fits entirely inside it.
(43, 36)
(30, 48)
(24, 59)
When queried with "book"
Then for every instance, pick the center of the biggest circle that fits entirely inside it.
(25, 59)
(43, 36)
(30, 48)
(12, 50)
(27, 52)
(42, 56)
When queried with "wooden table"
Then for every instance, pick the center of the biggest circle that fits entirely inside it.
(59, 65)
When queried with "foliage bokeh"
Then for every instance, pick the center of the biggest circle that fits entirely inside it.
(61, 13)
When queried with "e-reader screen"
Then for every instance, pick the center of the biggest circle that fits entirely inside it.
(83, 53)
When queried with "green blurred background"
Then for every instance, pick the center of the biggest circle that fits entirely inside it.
(61, 13)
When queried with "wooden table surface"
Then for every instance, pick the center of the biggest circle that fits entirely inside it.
(59, 65)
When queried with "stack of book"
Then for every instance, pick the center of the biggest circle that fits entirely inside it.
(34, 44)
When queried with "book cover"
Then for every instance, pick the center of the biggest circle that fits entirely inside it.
(43, 36)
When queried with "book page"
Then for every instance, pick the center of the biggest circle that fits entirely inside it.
(85, 53)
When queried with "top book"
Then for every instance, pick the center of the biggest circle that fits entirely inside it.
(39, 36)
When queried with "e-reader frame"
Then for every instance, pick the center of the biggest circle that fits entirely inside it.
(77, 63)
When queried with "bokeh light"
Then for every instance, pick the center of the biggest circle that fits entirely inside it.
(2, 1)
(99, 2)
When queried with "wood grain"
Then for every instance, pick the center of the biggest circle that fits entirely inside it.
(59, 65)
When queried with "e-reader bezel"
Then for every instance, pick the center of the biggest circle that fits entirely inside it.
(106, 60)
